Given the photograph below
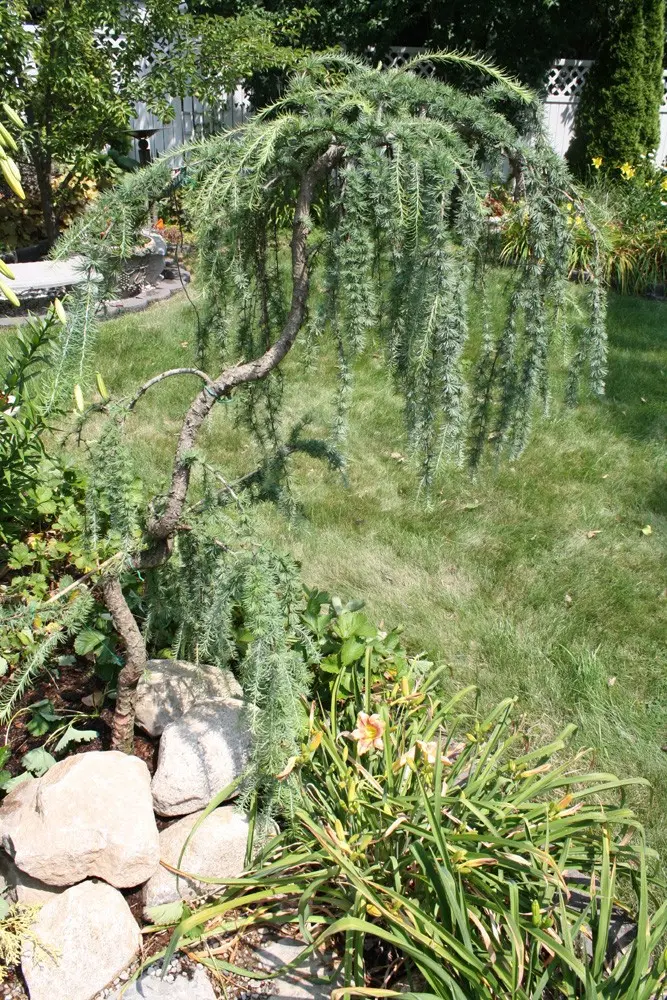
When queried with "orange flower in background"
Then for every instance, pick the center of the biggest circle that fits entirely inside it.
(159, 224)
(369, 732)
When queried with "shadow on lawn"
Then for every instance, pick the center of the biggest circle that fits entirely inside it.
(637, 380)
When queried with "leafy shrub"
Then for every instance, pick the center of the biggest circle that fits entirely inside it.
(22, 425)
(351, 651)
(43, 533)
(620, 219)
(439, 848)
(16, 921)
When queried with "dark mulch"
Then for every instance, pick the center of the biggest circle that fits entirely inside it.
(66, 690)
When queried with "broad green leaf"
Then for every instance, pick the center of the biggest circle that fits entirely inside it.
(38, 761)
(167, 913)
(18, 780)
(89, 640)
(73, 735)
(351, 650)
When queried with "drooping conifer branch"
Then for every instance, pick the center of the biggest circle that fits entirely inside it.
(161, 529)
(380, 180)
(165, 525)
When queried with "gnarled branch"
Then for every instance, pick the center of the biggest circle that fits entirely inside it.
(135, 663)
(163, 375)
(251, 371)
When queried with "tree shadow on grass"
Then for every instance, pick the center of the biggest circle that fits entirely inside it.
(637, 379)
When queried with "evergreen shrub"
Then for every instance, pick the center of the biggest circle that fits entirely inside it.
(617, 118)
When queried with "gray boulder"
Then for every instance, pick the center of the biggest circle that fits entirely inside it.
(89, 816)
(169, 688)
(195, 986)
(82, 939)
(313, 978)
(217, 850)
(200, 754)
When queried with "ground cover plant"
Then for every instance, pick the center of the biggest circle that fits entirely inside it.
(440, 853)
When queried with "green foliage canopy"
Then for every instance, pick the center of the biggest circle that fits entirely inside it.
(398, 168)
(524, 36)
(76, 68)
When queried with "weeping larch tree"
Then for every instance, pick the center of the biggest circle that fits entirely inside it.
(378, 178)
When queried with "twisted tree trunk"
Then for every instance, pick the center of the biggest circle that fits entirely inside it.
(162, 529)
(135, 664)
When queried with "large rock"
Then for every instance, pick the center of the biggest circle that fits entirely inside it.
(200, 754)
(196, 986)
(89, 816)
(83, 938)
(24, 888)
(313, 978)
(169, 688)
(217, 850)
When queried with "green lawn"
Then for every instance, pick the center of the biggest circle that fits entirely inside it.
(501, 579)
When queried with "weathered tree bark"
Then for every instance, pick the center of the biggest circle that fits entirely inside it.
(517, 174)
(42, 165)
(161, 529)
(135, 664)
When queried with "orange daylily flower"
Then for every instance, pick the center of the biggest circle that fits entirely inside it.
(369, 732)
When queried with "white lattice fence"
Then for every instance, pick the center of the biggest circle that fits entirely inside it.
(399, 55)
(563, 85)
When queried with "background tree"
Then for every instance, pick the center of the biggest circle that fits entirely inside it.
(617, 118)
(379, 178)
(76, 68)
(654, 40)
(524, 36)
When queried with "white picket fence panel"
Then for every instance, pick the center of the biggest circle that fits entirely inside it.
(193, 119)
